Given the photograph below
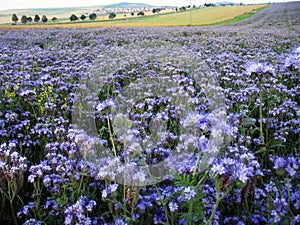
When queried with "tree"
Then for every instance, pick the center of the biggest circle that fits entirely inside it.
(83, 17)
(141, 13)
(44, 19)
(157, 10)
(112, 15)
(132, 14)
(29, 19)
(14, 18)
(37, 18)
(24, 19)
(54, 19)
(73, 17)
(93, 16)
(208, 5)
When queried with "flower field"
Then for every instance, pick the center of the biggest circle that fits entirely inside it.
(156, 125)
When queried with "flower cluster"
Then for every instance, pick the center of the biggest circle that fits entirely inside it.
(286, 165)
(76, 213)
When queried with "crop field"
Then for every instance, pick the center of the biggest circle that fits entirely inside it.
(152, 125)
(201, 16)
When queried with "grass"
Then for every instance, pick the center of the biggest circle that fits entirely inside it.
(241, 17)
(196, 17)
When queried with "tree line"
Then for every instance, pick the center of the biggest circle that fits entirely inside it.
(28, 19)
(92, 16)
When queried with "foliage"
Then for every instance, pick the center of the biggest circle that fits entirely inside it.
(209, 5)
(112, 15)
(37, 18)
(83, 17)
(73, 17)
(156, 10)
(93, 16)
(44, 19)
(140, 13)
(24, 19)
(14, 18)
(29, 19)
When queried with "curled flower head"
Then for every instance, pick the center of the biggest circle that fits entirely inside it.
(292, 61)
(259, 70)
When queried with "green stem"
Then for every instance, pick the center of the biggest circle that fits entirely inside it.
(164, 205)
(196, 165)
(215, 208)
(124, 191)
(289, 192)
(190, 211)
(202, 179)
(261, 114)
(219, 199)
(111, 136)
(124, 179)
(82, 176)
(13, 212)
(267, 124)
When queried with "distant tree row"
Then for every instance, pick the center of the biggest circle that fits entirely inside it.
(92, 16)
(28, 19)
(184, 8)
(156, 10)
(209, 5)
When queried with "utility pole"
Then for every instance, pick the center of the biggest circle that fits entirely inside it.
(191, 8)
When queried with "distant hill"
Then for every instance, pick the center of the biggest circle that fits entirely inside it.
(224, 3)
(129, 5)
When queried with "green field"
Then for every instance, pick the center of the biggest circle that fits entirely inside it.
(203, 16)
(196, 17)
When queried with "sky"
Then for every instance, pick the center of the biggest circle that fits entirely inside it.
(23, 4)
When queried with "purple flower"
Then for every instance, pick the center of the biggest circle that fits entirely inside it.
(76, 212)
(105, 104)
(119, 222)
(109, 190)
(259, 68)
(173, 206)
(188, 193)
(218, 169)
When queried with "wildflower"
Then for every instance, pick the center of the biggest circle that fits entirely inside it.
(173, 206)
(189, 193)
(260, 68)
(105, 104)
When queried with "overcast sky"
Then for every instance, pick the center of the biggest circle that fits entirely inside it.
(23, 4)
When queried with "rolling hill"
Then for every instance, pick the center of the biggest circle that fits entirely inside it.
(128, 5)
